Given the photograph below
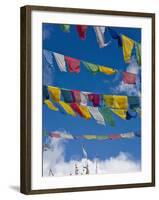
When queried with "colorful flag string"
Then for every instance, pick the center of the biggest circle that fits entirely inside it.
(124, 41)
(68, 136)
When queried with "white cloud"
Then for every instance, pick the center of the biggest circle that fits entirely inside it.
(53, 159)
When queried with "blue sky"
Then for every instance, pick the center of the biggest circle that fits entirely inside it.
(54, 39)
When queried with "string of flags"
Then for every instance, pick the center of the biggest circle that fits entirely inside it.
(73, 65)
(124, 41)
(88, 105)
(68, 136)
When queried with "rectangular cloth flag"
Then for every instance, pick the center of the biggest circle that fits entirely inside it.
(76, 108)
(45, 92)
(48, 56)
(95, 99)
(60, 60)
(102, 137)
(50, 105)
(128, 45)
(114, 136)
(115, 36)
(107, 70)
(67, 96)
(129, 78)
(134, 102)
(76, 96)
(96, 115)
(67, 108)
(107, 115)
(91, 67)
(85, 112)
(55, 93)
(65, 28)
(73, 64)
(89, 137)
(84, 98)
(99, 31)
(82, 30)
(127, 135)
(116, 102)
(120, 112)
(138, 52)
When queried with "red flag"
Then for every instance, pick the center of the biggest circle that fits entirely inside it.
(73, 64)
(82, 29)
(55, 135)
(129, 78)
(114, 136)
(76, 96)
(76, 108)
(95, 98)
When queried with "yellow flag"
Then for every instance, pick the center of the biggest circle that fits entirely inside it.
(67, 108)
(120, 112)
(127, 45)
(85, 112)
(50, 105)
(117, 102)
(107, 70)
(55, 93)
(90, 137)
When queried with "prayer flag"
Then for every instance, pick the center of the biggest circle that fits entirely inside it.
(127, 135)
(50, 105)
(85, 112)
(76, 96)
(95, 99)
(48, 56)
(73, 64)
(114, 101)
(120, 112)
(106, 113)
(89, 137)
(138, 52)
(96, 115)
(114, 136)
(82, 30)
(65, 27)
(55, 93)
(115, 36)
(60, 60)
(84, 98)
(99, 31)
(91, 67)
(76, 108)
(67, 96)
(129, 78)
(128, 45)
(107, 70)
(67, 108)
(45, 92)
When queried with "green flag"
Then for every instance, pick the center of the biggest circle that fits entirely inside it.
(138, 52)
(101, 137)
(65, 27)
(107, 115)
(91, 67)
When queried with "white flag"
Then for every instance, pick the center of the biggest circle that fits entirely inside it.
(96, 115)
(60, 60)
(128, 135)
(99, 31)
